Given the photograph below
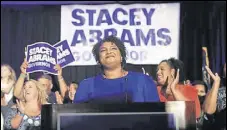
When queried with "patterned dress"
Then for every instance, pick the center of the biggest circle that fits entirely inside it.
(27, 122)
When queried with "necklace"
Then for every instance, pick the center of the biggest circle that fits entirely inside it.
(122, 74)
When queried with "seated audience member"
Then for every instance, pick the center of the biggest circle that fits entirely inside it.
(44, 79)
(215, 105)
(202, 90)
(8, 79)
(170, 79)
(115, 84)
(28, 112)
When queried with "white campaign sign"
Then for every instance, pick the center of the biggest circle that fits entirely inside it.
(150, 32)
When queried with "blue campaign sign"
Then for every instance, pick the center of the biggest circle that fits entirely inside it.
(64, 54)
(41, 56)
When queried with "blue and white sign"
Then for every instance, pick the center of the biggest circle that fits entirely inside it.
(150, 32)
(64, 54)
(41, 56)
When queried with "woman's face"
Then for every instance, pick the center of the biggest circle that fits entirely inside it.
(30, 91)
(5, 72)
(109, 55)
(72, 90)
(164, 71)
(200, 89)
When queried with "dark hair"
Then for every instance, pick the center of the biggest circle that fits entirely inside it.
(199, 82)
(176, 64)
(45, 76)
(117, 42)
(74, 82)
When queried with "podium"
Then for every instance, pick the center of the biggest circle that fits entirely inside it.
(176, 115)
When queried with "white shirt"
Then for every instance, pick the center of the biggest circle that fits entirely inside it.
(8, 96)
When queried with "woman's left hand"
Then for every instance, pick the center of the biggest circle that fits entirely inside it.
(175, 81)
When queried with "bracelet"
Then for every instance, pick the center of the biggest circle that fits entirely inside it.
(21, 114)
(61, 78)
(23, 75)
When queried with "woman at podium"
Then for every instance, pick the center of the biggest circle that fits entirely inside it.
(115, 84)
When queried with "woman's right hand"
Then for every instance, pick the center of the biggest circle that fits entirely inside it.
(24, 66)
(20, 106)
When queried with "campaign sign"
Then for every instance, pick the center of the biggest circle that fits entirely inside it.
(64, 54)
(41, 56)
(150, 32)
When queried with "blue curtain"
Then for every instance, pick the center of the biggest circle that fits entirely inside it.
(216, 36)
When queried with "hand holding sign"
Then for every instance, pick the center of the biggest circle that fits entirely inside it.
(64, 54)
(41, 56)
(58, 69)
(24, 66)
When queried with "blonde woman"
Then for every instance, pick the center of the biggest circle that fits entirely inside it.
(28, 112)
(8, 79)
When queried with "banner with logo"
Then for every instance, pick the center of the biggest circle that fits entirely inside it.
(41, 56)
(150, 32)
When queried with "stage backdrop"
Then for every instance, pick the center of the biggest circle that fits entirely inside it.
(150, 32)
(201, 24)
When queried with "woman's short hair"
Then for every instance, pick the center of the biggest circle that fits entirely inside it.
(117, 42)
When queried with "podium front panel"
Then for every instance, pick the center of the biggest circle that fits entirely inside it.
(176, 115)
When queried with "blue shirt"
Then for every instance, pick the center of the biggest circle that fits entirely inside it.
(52, 98)
(135, 87)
